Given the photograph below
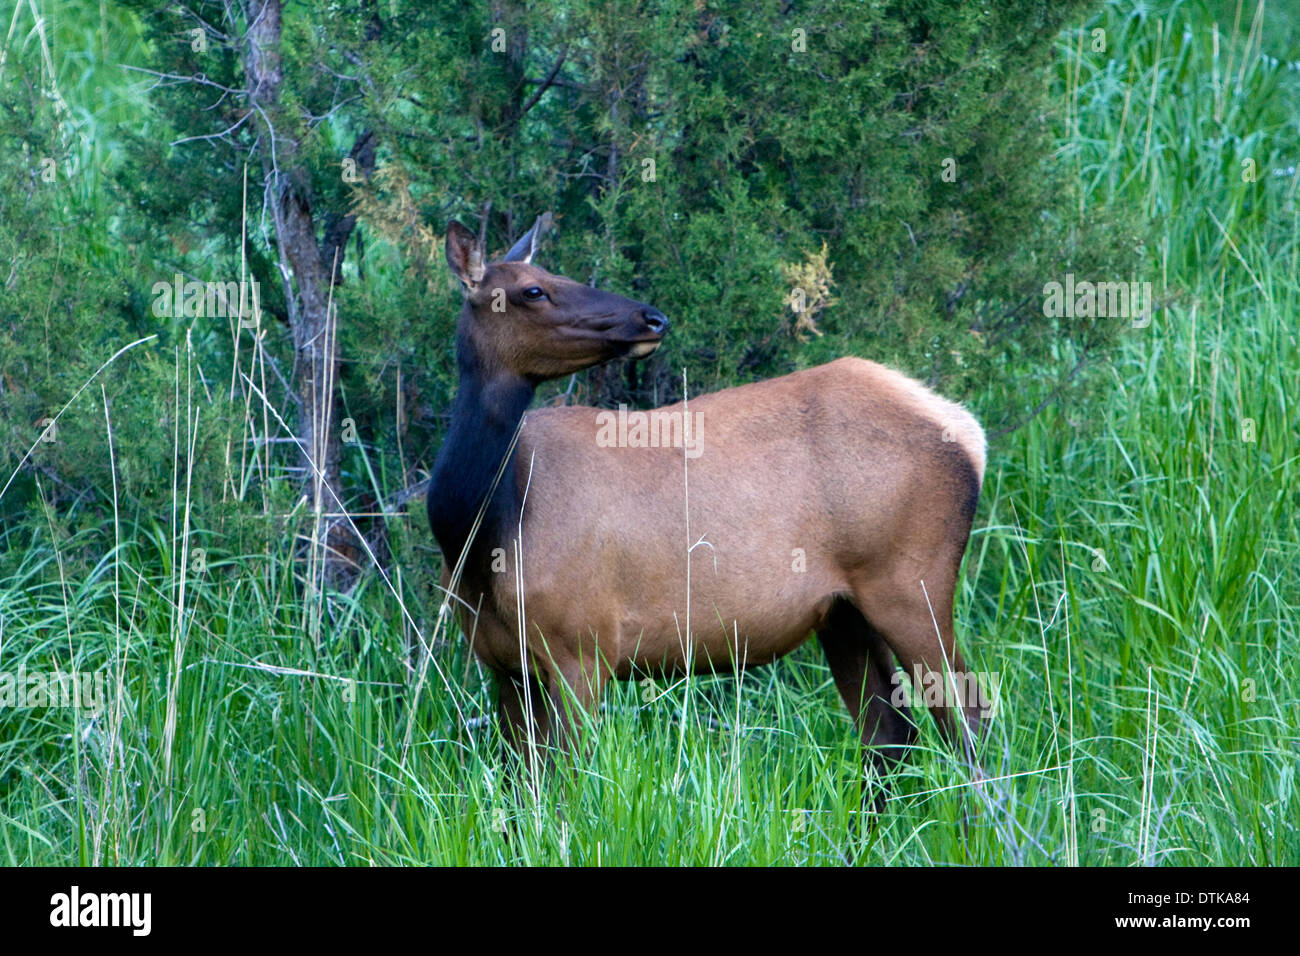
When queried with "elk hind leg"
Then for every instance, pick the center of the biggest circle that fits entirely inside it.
(864, 671)
(915, 618)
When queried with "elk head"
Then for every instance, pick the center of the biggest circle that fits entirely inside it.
(522, 319)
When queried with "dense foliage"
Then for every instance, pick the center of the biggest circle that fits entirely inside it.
(789, 182)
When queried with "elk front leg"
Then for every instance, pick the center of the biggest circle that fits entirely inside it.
(522, 711)
(573, 690)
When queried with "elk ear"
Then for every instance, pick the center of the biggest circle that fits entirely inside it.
(464, 255)
(522, 251)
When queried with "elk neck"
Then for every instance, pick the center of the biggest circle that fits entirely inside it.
(489, 404)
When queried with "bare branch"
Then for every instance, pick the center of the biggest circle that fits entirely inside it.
(545, 84)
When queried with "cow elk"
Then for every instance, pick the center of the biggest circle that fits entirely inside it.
(835, 500)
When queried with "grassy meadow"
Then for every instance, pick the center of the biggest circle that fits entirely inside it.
(1133, 579)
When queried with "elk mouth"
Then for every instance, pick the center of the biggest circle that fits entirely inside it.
(641, 349)
(657, 325)
(634, 336)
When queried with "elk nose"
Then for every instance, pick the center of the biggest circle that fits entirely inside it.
(656, 320)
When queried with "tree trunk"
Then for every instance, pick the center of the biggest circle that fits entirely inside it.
(308, 280)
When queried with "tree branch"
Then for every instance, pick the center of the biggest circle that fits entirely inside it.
(545, 85)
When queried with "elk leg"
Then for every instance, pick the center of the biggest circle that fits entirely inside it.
(907, 617)
(513, 705)
(572, 689)
(863, 667)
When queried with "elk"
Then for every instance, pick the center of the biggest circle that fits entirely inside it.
(836, 500)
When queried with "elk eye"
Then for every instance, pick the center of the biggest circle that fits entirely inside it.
(535, 292)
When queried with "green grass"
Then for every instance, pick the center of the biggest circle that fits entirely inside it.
(1133, 578)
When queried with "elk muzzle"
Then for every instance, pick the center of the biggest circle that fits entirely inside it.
(655, 327)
